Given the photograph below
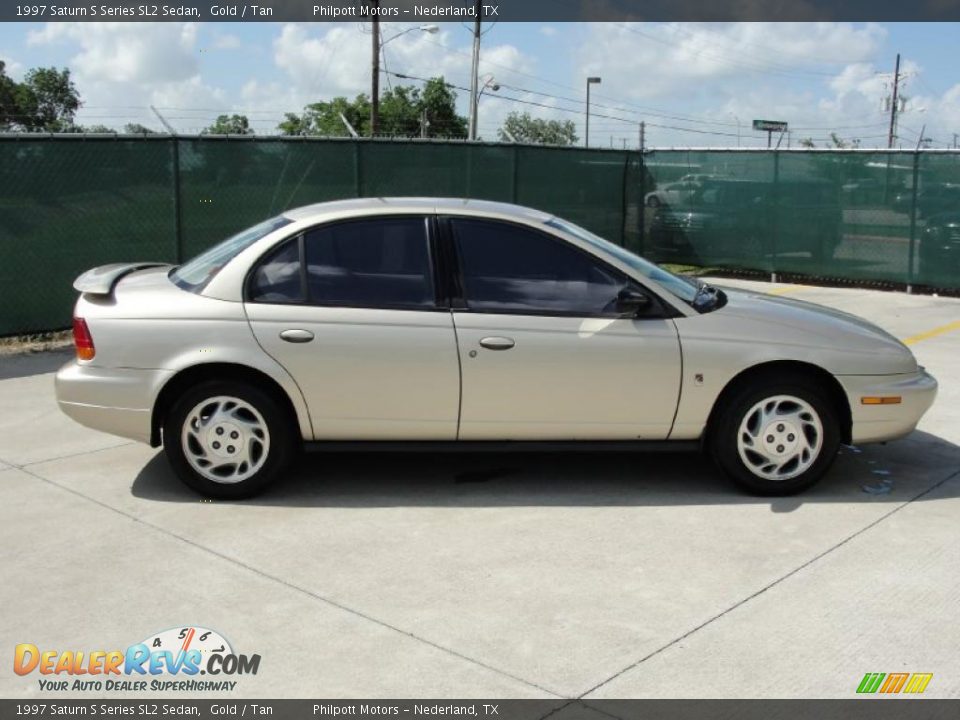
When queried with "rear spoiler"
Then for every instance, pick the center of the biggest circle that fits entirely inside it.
(101, 280)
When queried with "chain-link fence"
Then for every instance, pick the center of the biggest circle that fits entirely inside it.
(860, 215)
(71, 203)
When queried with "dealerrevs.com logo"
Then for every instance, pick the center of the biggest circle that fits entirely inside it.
(169, 661)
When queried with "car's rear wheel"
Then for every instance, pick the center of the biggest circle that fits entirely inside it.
(228, 440)
(776, 437)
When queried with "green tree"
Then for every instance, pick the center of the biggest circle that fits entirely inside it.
(323, 118)
(525, 128)
(46, 100)
(402, 110)
(8, 99)
(97, 128)
(230, 125)
(440, 102)
(137, 129)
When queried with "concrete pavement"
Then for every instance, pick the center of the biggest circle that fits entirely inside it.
(499, 576)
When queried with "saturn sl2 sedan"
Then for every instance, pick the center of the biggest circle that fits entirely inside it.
(439, 324)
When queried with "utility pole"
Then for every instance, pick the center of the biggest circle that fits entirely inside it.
(474, 69)
(955, 136)
(643, 132)
(375, 70)
(893, 104)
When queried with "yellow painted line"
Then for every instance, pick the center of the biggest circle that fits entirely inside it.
(913, 339)
(787, 290)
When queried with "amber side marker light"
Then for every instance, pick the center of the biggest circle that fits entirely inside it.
(82, 340)
(881, 400)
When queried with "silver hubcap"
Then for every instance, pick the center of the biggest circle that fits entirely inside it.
(780, 437)
(225, 439)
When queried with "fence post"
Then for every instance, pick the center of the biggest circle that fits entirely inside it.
(775, 209)
(643, 204)
(177, 215)
(623, 199)
(516, 163)
(357, 170)
(913, 220)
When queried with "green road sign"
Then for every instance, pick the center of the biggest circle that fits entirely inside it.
(770, 125)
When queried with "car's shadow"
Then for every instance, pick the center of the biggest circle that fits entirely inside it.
(894, 473)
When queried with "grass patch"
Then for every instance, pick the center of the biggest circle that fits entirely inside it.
(36, 342)
(692, 270)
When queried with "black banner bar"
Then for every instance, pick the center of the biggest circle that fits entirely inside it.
(490, 10)
(873, 708)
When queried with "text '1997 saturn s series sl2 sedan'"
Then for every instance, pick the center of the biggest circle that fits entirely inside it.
(437, 324)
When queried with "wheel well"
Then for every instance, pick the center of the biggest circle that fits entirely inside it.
(778, 369)
(189, 377)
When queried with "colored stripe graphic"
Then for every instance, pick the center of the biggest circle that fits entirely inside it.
(918, 682)
(894, 683)
(870, 682)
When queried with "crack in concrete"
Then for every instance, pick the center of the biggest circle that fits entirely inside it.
(296, 588)
(770, 585)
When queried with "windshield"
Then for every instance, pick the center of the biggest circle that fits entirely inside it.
(682, 288)
(196, 273)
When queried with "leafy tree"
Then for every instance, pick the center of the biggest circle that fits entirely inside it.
(440, 102)
(89, 129)
(323, 118)
(525, 128)
(46, 100)
(402, 110)
(137, 129)
(807, 143)
(230, 125)
(8, 99)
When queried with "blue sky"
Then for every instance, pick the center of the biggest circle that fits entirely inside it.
(695, 84)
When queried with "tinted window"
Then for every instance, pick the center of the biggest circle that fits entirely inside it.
(370, 263)
(511, 268)
(196, 273)
(277, 278)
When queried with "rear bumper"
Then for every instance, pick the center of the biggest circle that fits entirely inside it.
(877, 423)
(118, 401)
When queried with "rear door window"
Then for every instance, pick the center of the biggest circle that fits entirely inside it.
(373, 263)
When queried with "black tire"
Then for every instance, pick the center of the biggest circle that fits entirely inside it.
(725, 428)
(281, 433)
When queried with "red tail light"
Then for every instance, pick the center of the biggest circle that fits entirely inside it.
(83, 340)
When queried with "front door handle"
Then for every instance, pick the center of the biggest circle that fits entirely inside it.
(497, 343)
(296, 336)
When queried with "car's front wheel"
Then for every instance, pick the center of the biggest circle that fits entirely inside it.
(776, 437)
(228, 440)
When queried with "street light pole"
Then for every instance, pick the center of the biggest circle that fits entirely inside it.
(586, 132)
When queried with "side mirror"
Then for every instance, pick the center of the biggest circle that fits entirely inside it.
(631, 301)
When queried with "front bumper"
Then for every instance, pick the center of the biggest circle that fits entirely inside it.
(118, 401)
(877, 423)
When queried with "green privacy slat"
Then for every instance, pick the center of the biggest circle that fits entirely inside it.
(68, 204)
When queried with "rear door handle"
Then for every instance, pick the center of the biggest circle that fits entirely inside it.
(296, 335)
(497, 343)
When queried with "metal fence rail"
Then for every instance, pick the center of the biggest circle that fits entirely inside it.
(68, 203)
